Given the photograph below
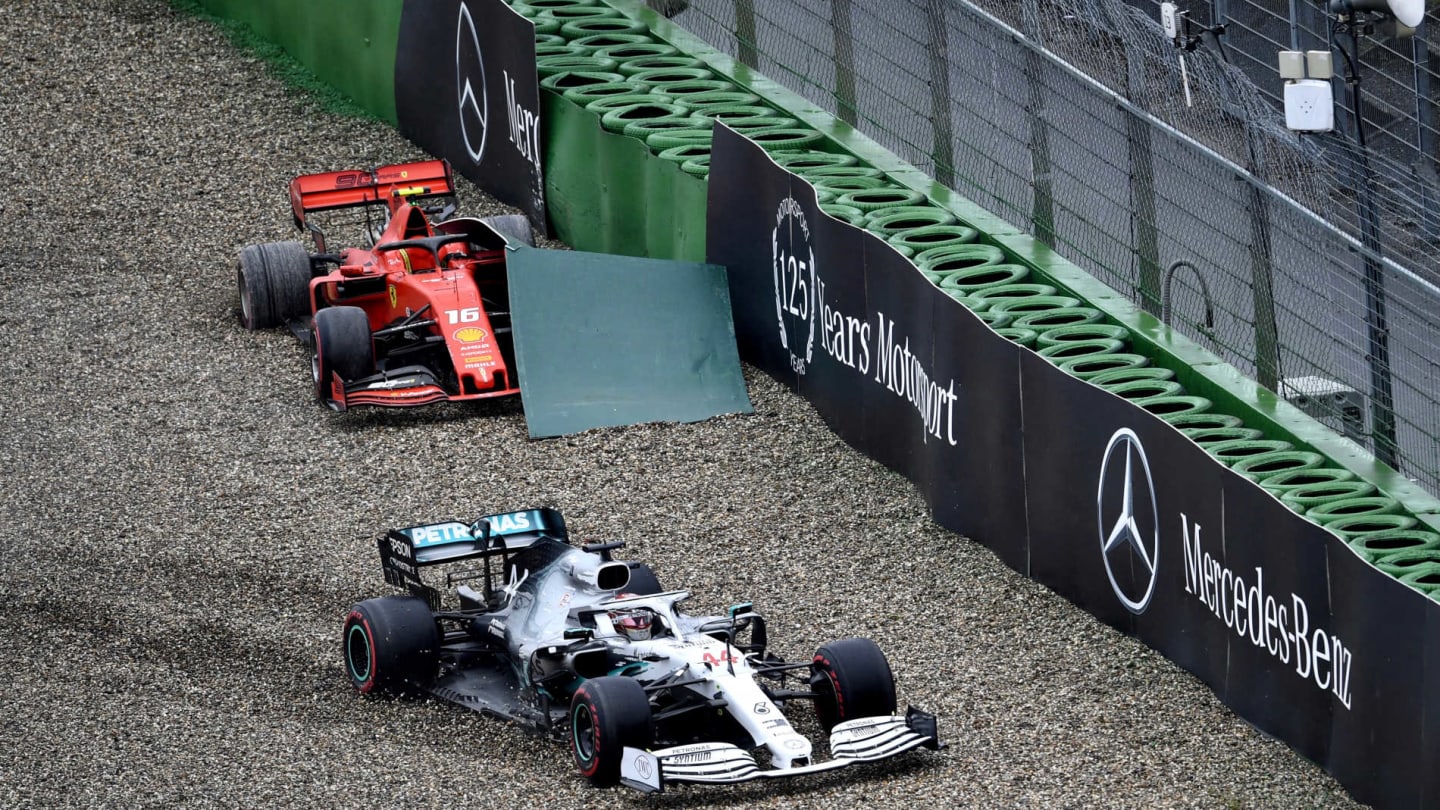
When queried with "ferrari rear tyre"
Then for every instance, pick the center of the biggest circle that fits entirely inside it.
(851, 679)
(341, 345)
(606, 715)
(391, 644)
(274, 284)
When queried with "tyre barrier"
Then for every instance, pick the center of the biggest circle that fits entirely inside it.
(585, 95)
(1375, 545)
(934, 236)
(1174, 404)
(615, 119)
(995, 320)
(645, 127)
(1208, 435)
(550, 37)
(784, 138)
(1120, 375)
(888, 222)
(1086, 368)
(845, 213)
(1353, 526)
(637, 64)
(660, 140)
(1075, 348)
(1352, 507)
(568, 79)
(1020, 289)
(733, 95)
(969, 302)
(561, 47)
(1089, 331)
(843, 170)
(1258, 468)
(607, 25)
(626, 51)
(659, 78)
(873, 199)
(1285, 481)
(955, 260)
(565, 63)
(684, 152)
(1060, 316)
(698, 166)
(799, 160)
(977, 274)
(1304, 497)
(1018, 334)
(845, 185)
(1138, 389)
(1425, 578)
(1205, 419)
(1234, 450)
(737, 112)
(595, 42)
(681, 92)
(1024, 305)
(605, 104)
(536, 8)
(1400, 563)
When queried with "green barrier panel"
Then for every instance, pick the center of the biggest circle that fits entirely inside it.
(348, 44)
(606, 340)
(598, 186)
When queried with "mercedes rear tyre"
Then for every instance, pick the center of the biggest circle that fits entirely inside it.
(851, 679)
(341, 346)
(606, 715)
(391, 644)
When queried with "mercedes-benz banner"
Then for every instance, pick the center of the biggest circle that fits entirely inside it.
(1080, 489)
(466, 89)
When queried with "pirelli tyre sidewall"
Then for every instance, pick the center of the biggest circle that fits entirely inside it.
(606, 715)
(340, 344)
(851, 679)
(391, 645)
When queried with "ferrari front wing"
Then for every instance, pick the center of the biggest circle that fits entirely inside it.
(868, 739)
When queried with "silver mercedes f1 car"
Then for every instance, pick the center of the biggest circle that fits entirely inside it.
(592, 650)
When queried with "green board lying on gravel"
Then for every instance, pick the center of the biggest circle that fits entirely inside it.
(605, 340)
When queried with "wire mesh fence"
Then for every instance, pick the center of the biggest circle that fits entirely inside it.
(1306, 262)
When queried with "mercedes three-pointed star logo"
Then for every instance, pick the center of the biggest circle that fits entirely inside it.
(471, 98)
(1129, 528)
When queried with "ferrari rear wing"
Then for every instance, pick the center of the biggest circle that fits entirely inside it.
(358, 187)
(403, 552)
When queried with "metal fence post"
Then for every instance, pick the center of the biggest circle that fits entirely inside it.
(745, 36)
(1042, 205)
(943, 133)
(844, 34)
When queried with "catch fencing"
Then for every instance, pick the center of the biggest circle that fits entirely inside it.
(1304, 261)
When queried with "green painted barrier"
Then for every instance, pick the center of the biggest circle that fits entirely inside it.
(348, 44)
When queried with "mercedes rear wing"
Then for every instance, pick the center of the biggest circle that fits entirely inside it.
(386, 186)
(403, 552)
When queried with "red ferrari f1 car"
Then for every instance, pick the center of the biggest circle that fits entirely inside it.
(419, 315)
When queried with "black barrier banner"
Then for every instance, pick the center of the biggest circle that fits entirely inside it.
(466, 89)
(1082, 490)
(847, 322)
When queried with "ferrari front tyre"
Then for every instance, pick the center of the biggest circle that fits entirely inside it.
(514, 227)
(606, 715)
(274, 284)
(391, 643)
(851, 679)
(341, 345)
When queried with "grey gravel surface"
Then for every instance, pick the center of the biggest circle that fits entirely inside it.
(183, 529)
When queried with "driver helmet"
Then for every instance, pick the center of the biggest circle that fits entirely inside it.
(635, 623)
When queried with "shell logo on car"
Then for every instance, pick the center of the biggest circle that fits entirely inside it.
(469, 334)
